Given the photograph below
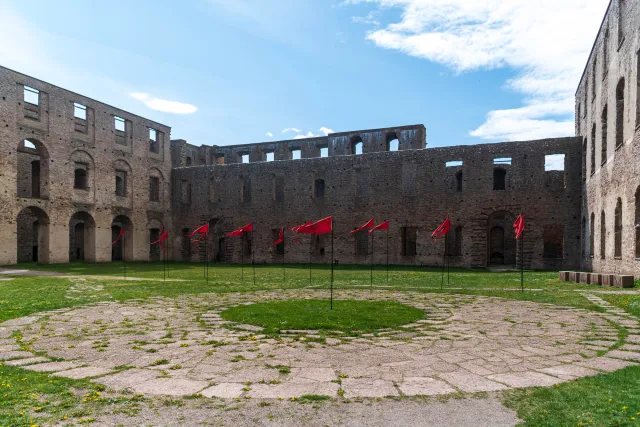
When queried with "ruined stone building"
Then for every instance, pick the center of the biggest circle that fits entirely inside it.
(74, 172)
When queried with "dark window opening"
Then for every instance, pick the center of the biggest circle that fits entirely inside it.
(592, 234)
(80, 178)
(618, 229)
(593, 149)
(603, 236)
(35, 179)
(362, 243)
(188, 161)
(245, 189)
(185, 192)
(620, 113)
(275, 236)
(584, 160)
(553, 237)
(603, 138)
(499, 179)
(459, 181)
(247, 244)
(121, 183)
(319, 188)
(154, 189)
(278, 188)
(408, 237)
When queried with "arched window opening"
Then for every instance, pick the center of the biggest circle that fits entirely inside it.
(603, 236)
(80, 178)
(356, 145)
(593, 149)
(459, 181)
(620, 113)
(319, 188)
(592, 234)
(188, 161)
(392, 142)
(499, 179)
(605, 56)
(603, 139)
(618, 229)
(121, 183)
(584, 160)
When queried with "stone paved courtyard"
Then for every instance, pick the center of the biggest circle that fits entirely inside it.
(182, 346)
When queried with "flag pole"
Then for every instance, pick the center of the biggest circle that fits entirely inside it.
(311, 244)
(242, 257)
(448, 267)
(387, 254)
(165, 256)
(522, 261)
(444, 260)
(124, 258)
(253, 257)
(206, 255)
(371, 274)
(164, 264)
(331, 265)
(284, 273)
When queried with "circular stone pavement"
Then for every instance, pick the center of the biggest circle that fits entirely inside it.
(182, 346)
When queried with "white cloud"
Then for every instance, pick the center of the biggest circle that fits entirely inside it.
(308, 135)
(164, 105)
(269, 134)
(325, 130)
(546, 41)
(296, 130)
(371, 18)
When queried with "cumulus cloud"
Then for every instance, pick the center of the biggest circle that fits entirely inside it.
(547, 42)
(371, 18)
(296, 130)
(326, 131)
(164, 105)
(308, 135)
(268, 134)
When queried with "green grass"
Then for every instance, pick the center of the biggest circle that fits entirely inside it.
(346, 316)
(627, 302)
(604, 400)
(30, 398)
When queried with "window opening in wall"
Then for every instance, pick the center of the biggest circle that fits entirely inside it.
(154, 189)
(220, 159)
(603, 236)
(453, 163)
(29, 144)
(592, 234)
(324, 151)
(275, 236)
(79, 111)
(247, 243)
(620, 113)
(594, 72)
(621, 4)
(584, 159)
(119, 123)
(153, 140)
(270, 156)
(583, 237)
(296, 154)
(121, 183)
(80, 177)
(553, 237)
(35, 179)
(392, 142)
(499, 179)
(245, 189)
(605, 56)
(618, 229)
(31, 95)
(554, 162)
(603, 138)
(356, 145)
(319, 188)
(362, 243)
(637, 89)
(593, 149)
(245, 158)
(408, 237)
(502, 161)
(459, 181)
(637, 223)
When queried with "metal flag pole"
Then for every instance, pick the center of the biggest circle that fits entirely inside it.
(444, 260)
(164, 263)
(448, 267)
(124, 258)
(168, 250)
(206, 256)
(310, 244)
(387, 254)
(331, 267)
(284, 273)
(253, 257)
(242, 257)
(522, 261)
(371, 274)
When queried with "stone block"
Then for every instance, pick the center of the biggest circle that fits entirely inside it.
(563, 275)
(572, 276)
(623, 281)
(585, 278)
(596, 279)
(607, 279)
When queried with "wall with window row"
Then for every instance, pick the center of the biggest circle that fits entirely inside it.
(414, 189)
(60, 155)
(608, 120)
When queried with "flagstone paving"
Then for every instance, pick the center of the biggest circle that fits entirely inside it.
(182, 346)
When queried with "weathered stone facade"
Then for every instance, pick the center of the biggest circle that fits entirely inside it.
(60, 153)
(608, 120)
(73, 174)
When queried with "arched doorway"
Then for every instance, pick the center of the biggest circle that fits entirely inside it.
(501, 244)
(217, 243)
(33, 235)
(123, 248)
(155, 227)
(33, 170)
(82, 240)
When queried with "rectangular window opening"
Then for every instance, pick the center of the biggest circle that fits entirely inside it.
(324, 151)
(79, 111)
(245, 158)
(502, 161)
(296, 154)
(271, 156)
(31, 95)
(119, 123)
(554, 162)
(453, 163)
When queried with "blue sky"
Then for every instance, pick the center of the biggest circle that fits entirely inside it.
(237, 71)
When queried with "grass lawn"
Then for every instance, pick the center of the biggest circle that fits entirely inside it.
(604, 400)
(628, 302)
(346, 316)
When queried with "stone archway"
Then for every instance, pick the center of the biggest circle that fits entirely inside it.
(33, 235)
(123, 248)
(32, 170)
(82, 237)
(155, 227)
(501, 243)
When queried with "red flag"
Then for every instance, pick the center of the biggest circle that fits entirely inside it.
(322, 226)
(240, 231)
(298, 226)
(381, 226)
(163, 237)
(518, 226)
(367, 226)
(202, 229)
(304, 228)
(119, 236)
(280, 237)
(442, 229)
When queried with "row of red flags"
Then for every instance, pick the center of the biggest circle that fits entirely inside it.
(322, 226)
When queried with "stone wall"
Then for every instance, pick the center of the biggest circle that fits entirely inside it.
(413, 188)
(63, 143)
(612, 176)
